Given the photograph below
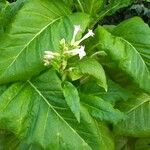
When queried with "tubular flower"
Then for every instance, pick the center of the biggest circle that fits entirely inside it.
(76, 30)
(68, 49)
(48, 56)
(77, 51)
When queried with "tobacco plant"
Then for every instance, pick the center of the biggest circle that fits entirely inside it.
(67, 82)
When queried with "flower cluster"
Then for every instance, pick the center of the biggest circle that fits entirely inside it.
(69, 49)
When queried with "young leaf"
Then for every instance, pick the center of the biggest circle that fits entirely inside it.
(137, 122)
(101, 109)
(36, 112)
(38, 26)
(125, 55)
(91, 67)
(72, 98)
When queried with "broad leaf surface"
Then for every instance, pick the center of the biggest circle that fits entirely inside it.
(125, 55)
(38, 26)
(38, 114)
(138, 34)
(137, 123)
(72, 98)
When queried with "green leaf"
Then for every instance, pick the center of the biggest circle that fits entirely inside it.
(101, 109)
(72, 98)
(138, 34)
(38, 26)
(91, 7)
(91, 67)
(114, 93)
(137, 123)
(125, 55)
(68, 2)
(36, 112)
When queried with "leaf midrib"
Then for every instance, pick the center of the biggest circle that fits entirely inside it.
(135, 50)
(51, 107)
(136, 107)
(26, 45)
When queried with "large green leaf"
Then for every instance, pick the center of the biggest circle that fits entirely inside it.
(125, 55)
(138, 34)
(101, 109)
(72, 98)
(38, 26)
(37, 113)
(137, 123)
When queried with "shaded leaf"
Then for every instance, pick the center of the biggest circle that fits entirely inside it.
(115, 91)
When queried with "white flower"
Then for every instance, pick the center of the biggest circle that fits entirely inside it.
(77, 28)
(48, 56)
(51, 53)
(90, 33)
(78, 51)
(81, 52)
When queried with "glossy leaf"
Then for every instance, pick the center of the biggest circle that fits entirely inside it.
(72, 98)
